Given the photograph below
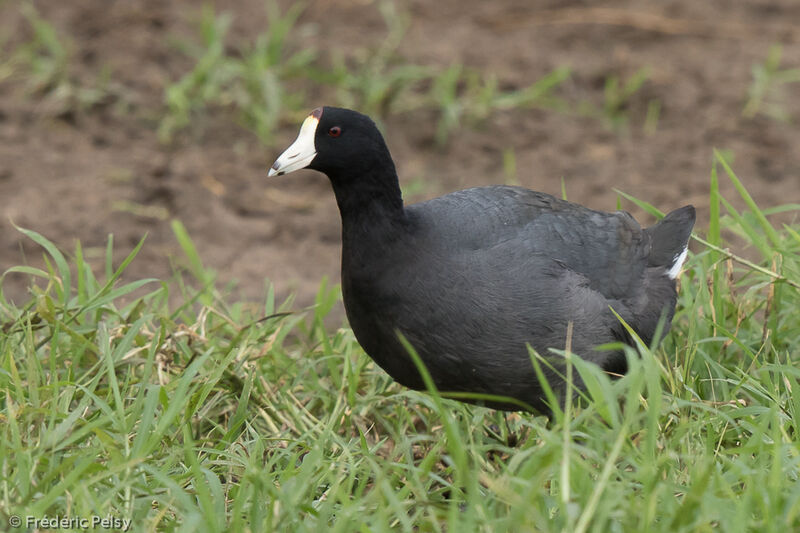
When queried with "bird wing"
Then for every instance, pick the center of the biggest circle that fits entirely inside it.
(609, 249)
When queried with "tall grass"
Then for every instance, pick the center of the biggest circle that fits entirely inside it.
(220, 416)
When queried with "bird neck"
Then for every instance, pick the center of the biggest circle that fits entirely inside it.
(369, 198)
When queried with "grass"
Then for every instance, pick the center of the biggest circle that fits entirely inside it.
(244, 416)
(252, 80)
(208, 414)
(618, 96)
(376, 80)
(767, 92)
(46, 65)
(258, 82)
(459, 93)
(261, 83)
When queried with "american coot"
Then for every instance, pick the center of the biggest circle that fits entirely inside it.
(473, 277)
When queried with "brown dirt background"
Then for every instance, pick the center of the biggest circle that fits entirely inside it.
(64, 175)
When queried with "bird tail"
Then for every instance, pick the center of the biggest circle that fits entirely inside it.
(669, 239)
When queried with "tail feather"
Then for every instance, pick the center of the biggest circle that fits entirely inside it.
(669, 239)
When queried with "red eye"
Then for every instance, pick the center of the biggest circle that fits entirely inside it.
(335, 131)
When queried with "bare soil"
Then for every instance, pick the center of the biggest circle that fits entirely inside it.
(74, 175)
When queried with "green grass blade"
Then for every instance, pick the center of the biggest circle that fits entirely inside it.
(769, 231)
(65, 286)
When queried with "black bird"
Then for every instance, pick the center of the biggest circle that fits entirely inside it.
(473, 277)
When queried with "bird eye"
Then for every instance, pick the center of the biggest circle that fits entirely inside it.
(335, 131)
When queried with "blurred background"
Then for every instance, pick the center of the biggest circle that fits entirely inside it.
(122, 116)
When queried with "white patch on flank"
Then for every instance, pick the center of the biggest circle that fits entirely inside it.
(301, 152)
(675, 269)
